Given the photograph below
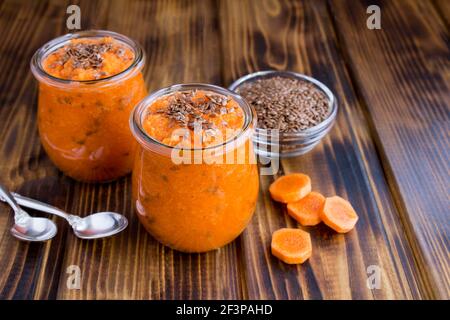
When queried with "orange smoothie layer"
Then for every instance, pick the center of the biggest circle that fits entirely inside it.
(195, 207)
(208, 119)
(84, 127)
(89, 59)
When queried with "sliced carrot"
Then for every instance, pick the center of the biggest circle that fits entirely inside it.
(290, 188)
(291, 246)
(307, 210)
(339, 214)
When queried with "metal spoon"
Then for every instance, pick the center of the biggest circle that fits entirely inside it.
(28, 228)
(94, 226)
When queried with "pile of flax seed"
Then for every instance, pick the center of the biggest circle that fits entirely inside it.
(286, 104)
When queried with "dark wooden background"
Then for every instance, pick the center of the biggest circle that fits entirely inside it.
(388, 152)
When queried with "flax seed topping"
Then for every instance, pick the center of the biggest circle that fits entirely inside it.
(89, 59)
(188, 112)
(214, 116)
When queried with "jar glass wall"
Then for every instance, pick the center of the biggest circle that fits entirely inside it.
(83, 125)
(201, 205)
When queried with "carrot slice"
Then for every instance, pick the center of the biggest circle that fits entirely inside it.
(291, 246)
(290, 188)
(339, 214)
(307, 210)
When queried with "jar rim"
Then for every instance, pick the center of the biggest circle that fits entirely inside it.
(138, 113)
(52, 45)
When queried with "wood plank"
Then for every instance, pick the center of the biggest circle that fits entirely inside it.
(443, 9)
(402, 75)
(299, 36)
(258, 35)
(24, 166)
(181, 42)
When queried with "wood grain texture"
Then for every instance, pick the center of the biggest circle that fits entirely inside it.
(408, 103)
(376, 155)
(443, 9)
(24, 166)
(345, 163)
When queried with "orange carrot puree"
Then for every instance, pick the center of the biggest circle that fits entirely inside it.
(194, 207)
(84, 127)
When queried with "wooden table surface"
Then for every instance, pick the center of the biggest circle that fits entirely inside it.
(388, 152)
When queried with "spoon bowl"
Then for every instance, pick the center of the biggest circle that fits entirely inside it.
(27, 228)
(34, 229)
(99, 225)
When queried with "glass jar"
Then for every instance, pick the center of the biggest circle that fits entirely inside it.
(83, 125)
(201, 205)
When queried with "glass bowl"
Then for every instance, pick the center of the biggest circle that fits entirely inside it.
(272, 143)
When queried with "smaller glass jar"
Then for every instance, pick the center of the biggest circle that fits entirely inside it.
(201, 205)
(274, 144)
(83, 124)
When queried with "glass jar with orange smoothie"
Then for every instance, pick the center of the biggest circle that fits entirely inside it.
(195, 178)
(89, 83)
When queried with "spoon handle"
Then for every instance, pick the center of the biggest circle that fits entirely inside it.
(7, 197)
(38, 205)
(43, 207)
(20, 216)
